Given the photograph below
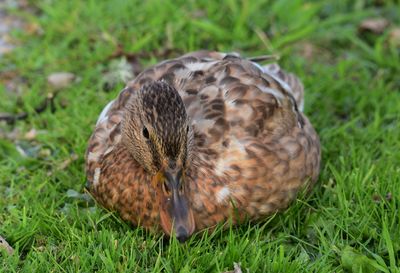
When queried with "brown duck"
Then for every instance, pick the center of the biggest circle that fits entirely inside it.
(201, 139)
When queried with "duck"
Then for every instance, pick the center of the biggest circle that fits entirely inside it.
(205, 139)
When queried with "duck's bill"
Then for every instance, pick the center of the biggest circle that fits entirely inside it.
(176, 214)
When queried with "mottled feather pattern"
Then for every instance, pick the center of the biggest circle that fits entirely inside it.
(254, 148)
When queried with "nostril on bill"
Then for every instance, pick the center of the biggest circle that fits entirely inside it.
(181, 234)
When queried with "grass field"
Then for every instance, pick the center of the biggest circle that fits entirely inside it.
(350, 222)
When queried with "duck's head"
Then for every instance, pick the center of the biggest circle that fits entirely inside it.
(157, 133)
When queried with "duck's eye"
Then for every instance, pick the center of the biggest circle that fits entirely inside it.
(145, 133)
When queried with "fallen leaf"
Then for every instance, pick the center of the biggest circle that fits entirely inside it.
(131, 58)
(40, 248)
(31, 134)
(236, 269)
(394, 37)
(44, 153)
(68, 161)
(13, 84)
(376, 198)
(73, 193)
(374, 25)
(10, 135)
(308, 50)
(33, 28)
(109, 38)
(64, 164)
(21, 151)
(79, 196)
(16, 134)
(60, 80)
(355, 262)
(119, 71)
(4, 245)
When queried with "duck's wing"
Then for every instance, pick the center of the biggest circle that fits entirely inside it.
(227, 94)
(106, 136)
(272, 69)
(290, 79)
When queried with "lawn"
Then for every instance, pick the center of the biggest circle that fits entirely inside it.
(351, 72)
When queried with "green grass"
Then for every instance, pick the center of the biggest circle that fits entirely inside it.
(350, 222)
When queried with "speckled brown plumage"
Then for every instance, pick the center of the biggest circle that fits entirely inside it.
(234, 130)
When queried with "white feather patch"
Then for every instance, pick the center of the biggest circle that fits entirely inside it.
(109, 150)
(93, 156)
(103, 116)
(277, 94)
(222, 194)
(237, 145)
(96, 176)
(220, 167)
(199, 66)
(203, 125)
(272, 70)
(183, 73)
(258, 66)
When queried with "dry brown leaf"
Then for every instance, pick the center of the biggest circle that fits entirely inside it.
(10, 135)
(374, 25)
(236, 269)
(376, 198)
(308, 50)
(64, 164)
(394, 36)
(59, 80)
(6, 246)
(31, 134)
(119, 70)
(68, 161)
(33, 28)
